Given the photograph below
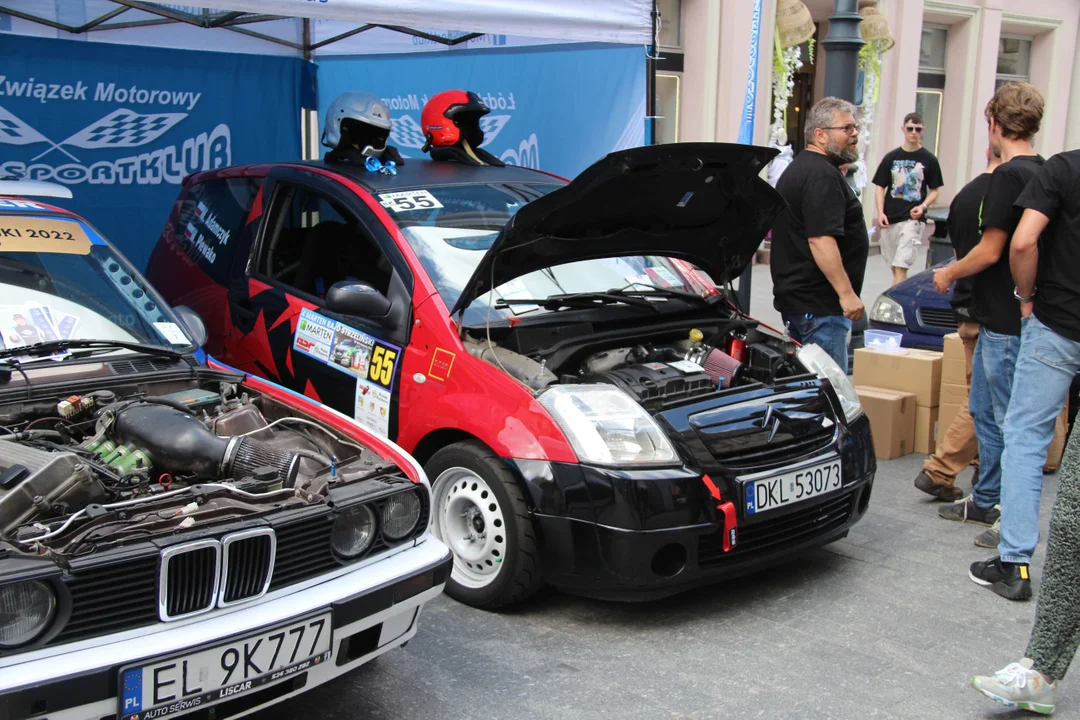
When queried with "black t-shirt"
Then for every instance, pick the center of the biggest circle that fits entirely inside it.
(907, 178)
(964, 232)
(820, 202)
(995, 305)
(1055, 192)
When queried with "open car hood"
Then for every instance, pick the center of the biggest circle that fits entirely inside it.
(702, 202)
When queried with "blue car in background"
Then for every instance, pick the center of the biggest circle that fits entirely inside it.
(916, 310)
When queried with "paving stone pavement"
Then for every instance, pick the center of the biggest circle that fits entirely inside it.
(882, 624)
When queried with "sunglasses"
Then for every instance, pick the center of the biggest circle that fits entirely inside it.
(914, 128)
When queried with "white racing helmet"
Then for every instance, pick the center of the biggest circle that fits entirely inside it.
(356, 107)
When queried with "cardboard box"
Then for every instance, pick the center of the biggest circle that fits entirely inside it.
(1057, 445)
(926, 420)
(892, 420)
(954, 361)
(915, 371)
(946, 413)
(953, 394)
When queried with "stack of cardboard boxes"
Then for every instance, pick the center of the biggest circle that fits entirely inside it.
(900, 393)
(912, 397)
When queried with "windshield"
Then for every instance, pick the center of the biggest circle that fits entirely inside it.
(451, 227)
(60, 281)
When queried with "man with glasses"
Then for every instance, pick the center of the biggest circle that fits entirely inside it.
(819, 242)
(908, 181)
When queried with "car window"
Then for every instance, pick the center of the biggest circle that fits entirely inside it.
(314, 242)
(212, 217)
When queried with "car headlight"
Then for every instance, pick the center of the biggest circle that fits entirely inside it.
(606, 426)
(821, 363)
(400, 515)
(887, 310)
(354, 530)
(26, 608)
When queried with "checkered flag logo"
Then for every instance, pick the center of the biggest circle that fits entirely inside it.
(124, 129)
(406, 132)
(492, 125)
(14, 131)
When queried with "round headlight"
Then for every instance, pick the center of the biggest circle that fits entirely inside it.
(354, 530)
(400, 515)
(25, 611)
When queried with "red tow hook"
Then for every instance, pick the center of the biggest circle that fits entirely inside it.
(731, 523)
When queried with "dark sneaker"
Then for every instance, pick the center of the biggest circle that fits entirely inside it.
(965, 510)
(941, 492)
(990, 538)
(1009, 580)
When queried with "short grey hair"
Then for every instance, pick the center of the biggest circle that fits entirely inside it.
(821, 115)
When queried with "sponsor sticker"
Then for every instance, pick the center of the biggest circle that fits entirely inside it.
(442, 362)
(372, 407)
(42, 235)
(172, 333)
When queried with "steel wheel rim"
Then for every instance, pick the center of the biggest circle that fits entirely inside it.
(469, 519)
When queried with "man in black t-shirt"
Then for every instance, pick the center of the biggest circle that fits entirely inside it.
(908, 181)
(1013, 115)
(959, 446)
(1045, 261)
(819, 243)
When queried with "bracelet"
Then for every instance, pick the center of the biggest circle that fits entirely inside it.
(1029, 298)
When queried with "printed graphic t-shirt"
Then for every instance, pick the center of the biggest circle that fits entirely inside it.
(964, 232)
(907, 178)
(820, 202)
(995, 305)
(1055, 192)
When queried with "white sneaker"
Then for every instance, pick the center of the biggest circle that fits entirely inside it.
(1018, 685)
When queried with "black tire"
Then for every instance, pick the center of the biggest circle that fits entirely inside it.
(520, 575)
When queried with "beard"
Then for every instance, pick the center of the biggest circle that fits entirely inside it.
(841, 153)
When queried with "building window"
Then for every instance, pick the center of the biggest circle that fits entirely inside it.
(667, 108)
(670, 23)
(933, 50)
(1014, 60)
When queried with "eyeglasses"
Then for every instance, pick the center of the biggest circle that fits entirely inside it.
(914, 128)
(849, 129)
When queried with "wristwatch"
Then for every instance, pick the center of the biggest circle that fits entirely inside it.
(1018, 296)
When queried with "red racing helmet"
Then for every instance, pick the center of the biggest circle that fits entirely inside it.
(453, 115)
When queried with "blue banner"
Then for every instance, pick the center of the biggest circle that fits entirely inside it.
(746, 126)
(123, 125)
(557, 108)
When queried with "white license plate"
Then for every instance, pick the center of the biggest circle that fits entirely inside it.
(204, 677)
(774, 491)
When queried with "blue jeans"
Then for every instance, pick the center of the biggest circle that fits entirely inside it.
(830, 332)
(1044, 372)
(992, 369)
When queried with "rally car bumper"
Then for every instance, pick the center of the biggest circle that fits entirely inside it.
(373, 608)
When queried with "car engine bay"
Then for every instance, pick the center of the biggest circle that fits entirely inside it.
(85, 472)
(657, 367)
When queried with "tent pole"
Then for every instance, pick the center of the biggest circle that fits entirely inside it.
(650, 78)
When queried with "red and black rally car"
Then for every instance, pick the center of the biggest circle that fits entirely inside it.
(592, 411)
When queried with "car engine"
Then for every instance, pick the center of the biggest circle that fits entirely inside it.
(661, 368)
(95, 470)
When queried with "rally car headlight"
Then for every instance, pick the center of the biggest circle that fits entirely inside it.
(400, 515)
(354, 531)
(821, 363)
(887, 310)
(606, 426)
(26, 608)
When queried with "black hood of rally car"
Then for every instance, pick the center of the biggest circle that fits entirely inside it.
(702, 202)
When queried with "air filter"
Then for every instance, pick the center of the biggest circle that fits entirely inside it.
(721, 367)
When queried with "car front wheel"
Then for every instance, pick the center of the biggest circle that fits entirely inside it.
(481, 515)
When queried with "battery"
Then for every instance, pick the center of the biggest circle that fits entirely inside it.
(194, 398)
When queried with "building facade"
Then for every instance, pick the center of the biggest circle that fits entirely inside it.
(949, 57)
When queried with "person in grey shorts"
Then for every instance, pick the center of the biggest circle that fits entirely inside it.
(908, 181)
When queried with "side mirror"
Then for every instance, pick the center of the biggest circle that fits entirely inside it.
(194, 324)
(350, 297)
